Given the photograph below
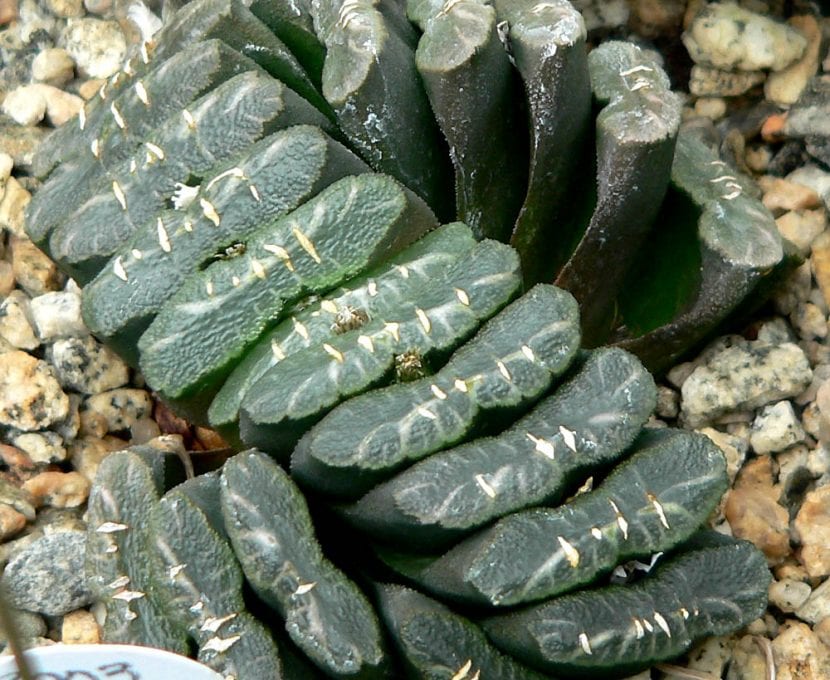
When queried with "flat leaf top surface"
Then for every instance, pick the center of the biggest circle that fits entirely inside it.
(454, 33)
(271, 531)
(434, 321)
(508, 364)
(659, 497)
(272, 177)
(438, 644)
(373, 295)
(586, 424)
(733, 224)
(620, 629)
(541, 27)
(218, 312)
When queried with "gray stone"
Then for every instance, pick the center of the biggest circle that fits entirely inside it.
(98, 47)
(817, 605)
(743, 375)
(57, 315)
(28, 625)
(48, 576)
(85, 365)
(41, 447)
(731, 38)
(809, 115)
(600, 14)
(775, 332)
(15, 326)
(809, 321)
(17, 498)
(668, 402)
(734, 449)
(31, 398)
(705, 81)
(776, 428)
(121, 408)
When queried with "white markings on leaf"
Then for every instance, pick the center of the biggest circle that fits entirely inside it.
(111, 527)
(569, 437)
(220, 645)
(425, 413)
(304, 588)
(155, 149)
(175, 570)
(184, 195)
(648, 626)
(209, 288)
(503, 370)
(120, 582)
(128, 595)
(306, 244)
(529, 355)
(116, 115)
(118, 269)
(639, 628)
(281, 253)
(460, 385)
(621, 521)
(111, 549)
(462, 672)
(235, 281)
(596, 533)
(209, 211)
(366, 343)
(404, 272)
(119, 194)
(163, 236)
(133, 166)
(658, 618)
(393, 328)
(586, 646)
(438, 392)
(485, 487)
(276, 350)
(255, 193)
(640, 68)
(333, 352)
(95, 147)
(130, 615)
(571, 553)
(300, 329)
(188, 226)
(141, 91)
(659, 508)
(188, 118)
(542, 445)
(684, 613)
(462, 296)
(328, 306)
(214, 623)
(136, 253)
(196, 608)
(258, 269)
(82, 118)
(373, 289)
(233, 172)
(423, 319)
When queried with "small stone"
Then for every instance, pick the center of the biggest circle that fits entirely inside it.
(754, 513)
(143, 430)
(711, 656)
(29, 626)
(15, 326)
(748, 660)
(80, 628)
(58, 489)
(121, 407)
(810, 175)
(41, 447)
(89, 88)
(93, 424)
(729, 37)
(775, 331)
(802, 227)
(757, 157)
(811, 420)
(30, 396)
(6, 278)
(711, 107)
(14, 458)
(87, 453)
(15, 200)
(58, 315)
(812, 528)
(795, 288)
(65, 8)
(653, 18)
(68, 428)
(823, 403)
(25, 105)
(817, 606)
(706, 81)
(809, 321)
(11, 522)
(98, 47)
(789, 595)
(98, 6)
(20, 143)
(772, 130)
(668, 402)
(603, 14)
(60, 106)
(734, 449)
(775, 428)
(743, 375)
(781, 194)
(799, 654)
(8, 11)
(34, 271)
(53, 66)
(31, 576)
(790, 569)
(785, 87)
(85, 365)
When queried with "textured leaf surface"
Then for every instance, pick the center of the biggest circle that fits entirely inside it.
(119, 506)
(301, 389)
(366, 439)
(375, 294)
(271, 178)
(584, 426)
(369, 78)
(636, 131)
(460, 52)
(656, 499)
(239, 646)
(271, 532)
(619, 630)
(219, 312)
(547, 43)
(738, 244)
(438, 644)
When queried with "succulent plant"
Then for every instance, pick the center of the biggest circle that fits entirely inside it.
(260, 210)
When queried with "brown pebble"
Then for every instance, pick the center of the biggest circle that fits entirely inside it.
(754, 513)
(822, 630)
(11, 522)
(773, 128)
(799, 654)
(782, 195)
(80, 628)
(210, 439)
(58, 489)
(8, 11)
(89, 88)
(33, 270)
(812, 529)
(15, 458)
(820, 263)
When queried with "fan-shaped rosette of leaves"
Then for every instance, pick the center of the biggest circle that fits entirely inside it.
(253, 205)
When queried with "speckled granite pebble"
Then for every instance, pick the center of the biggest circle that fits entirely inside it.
(30, 396)
(15, 326)
(120, 407)
(775, 428)
(738, 375)
(57, 315)
(97, 46)
(85, 365)
(30, 576)
(41, 447)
